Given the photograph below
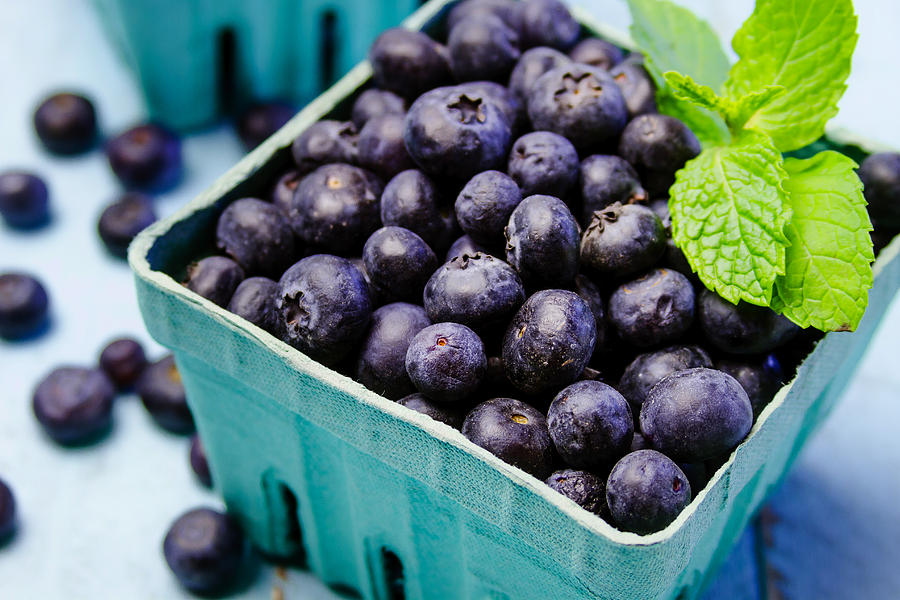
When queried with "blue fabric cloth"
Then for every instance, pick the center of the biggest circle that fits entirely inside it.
(92, 520)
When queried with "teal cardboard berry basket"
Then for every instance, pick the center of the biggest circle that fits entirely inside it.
(198, 60)
(377, 496)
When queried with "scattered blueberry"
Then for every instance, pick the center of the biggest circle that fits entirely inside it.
(605, 180)
(66, 123)
(24, 306)
(123, 360)
(381, 146)
(742, 328)
(257, 235)
(484, 205)
(590, 424)
(478, 290)
(254, 300)
(637, 88)
(542, 242)
(482, 47)
(585, 489)
(760, 378)
(542, 162)
(650, 368)
(531, 65)
(146, 157)
(284, 189)
(7, 512)
(399, 263)
(336, 208)
(507, 10)
(655, 309)
(121, 221)
(466, 245)
(646, 491)
(411, 200)
(457, 133)
(445, 413)
(549, 341)
(547, 23)
(326, 142)
(204, 549)
(597, 53)
(408, 63)
(514, 432)
(74, 405)
(215, 278)
(580, 102)
(657, 146)
(323, 307)
(696, 414)
(381, 365)
(24, 200)
(880, 174)
(199, 464)
(374, 103)
(162, 394)
(261, 120)
(446, 362)
(623, 239)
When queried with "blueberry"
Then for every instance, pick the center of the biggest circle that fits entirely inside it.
(585, 489)
(466, 245)
(24, 200)
(374, 103)
(199, 464)
(654, 309)
(373, 293)
(696, 414)
(326, 142)
(399, 263)
(650, 368)
(146, 157)
(477, 290)
(549, 341)
(336, 208)
(24, 306)
(412, 200)
(121, 221)
(456, 133)
(123, 360)
(742, 328)
(408, 62)
(446, 362)
(381, 146)
(7, 512)
(657, 146)
(542, 242)
(509, 104)
(284, 188)
(445, 413)
(482, 47)
(639, 442)
(760, 378)
(484, 205)
(646, 491)
(261, 120)
(579, 102)
(605, 180)
(880, 174)
(588, 290)
(254, 300)
(66, 123)
(204, 549)
(256, 234)
(623, 239)
(74, 405)
(323, 307)
(542, 162)
(507, 10)
(637, 88)
(661, 208)
(215, 278)
(381, 365)
(514, 432)
(532, 64)
(547, 23)
(162, 394)
(590, 424)
(596, 53)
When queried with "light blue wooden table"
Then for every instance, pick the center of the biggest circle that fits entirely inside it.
(92, 520)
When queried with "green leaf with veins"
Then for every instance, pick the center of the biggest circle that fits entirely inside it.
(736, 112)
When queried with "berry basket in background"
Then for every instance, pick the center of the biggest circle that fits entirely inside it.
(198, 60)
(377, 496)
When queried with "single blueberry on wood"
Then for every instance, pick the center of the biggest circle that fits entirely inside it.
(257, 235)
(585, 489)
(448, 414)
(605, 180)
(215, 278)
(408, 63)
(163, 395)
(542, 162)
(199, 464)
(446, 362)
(121, 221)
(66, 123)
(146, 157)
(324, 142)
(411, 200)
(24, 200)
(650, 368)
(542, 242)
(24, 306)
(254, 300)
(646, 491)
(596, 53)
(74, 404)
(123, 360)
(204, 549)
(623, 239)
(654, 309)
(373, 103)
(484, 205)
(381, 364)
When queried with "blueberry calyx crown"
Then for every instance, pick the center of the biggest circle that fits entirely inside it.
(465, 258)
(610, 214)
(574, 84)
(470, 109)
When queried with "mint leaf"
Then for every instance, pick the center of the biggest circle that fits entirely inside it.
(804, 46)
(829, 261)
(729, 211)
(707, 125)
(736, 112)
(685, 88)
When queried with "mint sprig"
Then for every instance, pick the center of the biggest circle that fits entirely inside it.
(789, 234)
